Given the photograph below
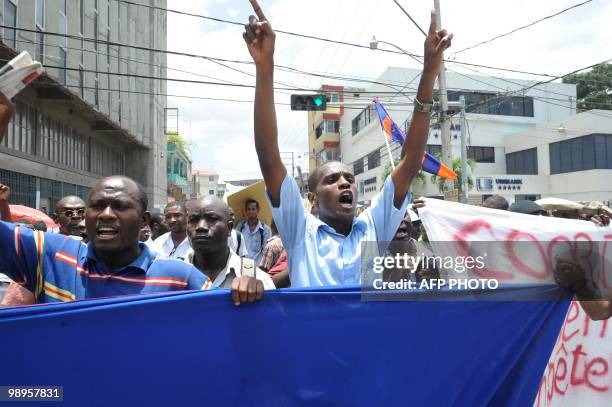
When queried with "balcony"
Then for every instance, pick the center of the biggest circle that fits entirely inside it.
(327, 140)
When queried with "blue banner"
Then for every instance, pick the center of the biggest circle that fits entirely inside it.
(317, 347)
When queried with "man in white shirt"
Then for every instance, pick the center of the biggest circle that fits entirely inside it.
(255, 234)
(174, 244)
(235, 239)
(208, 230)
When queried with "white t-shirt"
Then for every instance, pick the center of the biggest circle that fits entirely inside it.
(164, 246)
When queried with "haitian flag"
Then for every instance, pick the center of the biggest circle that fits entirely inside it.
(429, 164)
(295, 347)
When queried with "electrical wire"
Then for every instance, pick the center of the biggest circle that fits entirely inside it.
(313, 37)
(521, 27)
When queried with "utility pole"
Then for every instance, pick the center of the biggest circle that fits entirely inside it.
(285, 158)
(464, 166)
(444, 123)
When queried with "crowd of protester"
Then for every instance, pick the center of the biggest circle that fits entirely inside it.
(112, 245)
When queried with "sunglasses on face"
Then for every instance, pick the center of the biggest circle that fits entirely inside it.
(69, 213)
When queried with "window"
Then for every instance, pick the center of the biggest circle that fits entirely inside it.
(333, 97)
(593, 151)
(21, 131)
(332, 126)
(82, 82)
(363, 119)
(10, 20)
(63, 41)
(481, 154)
(319, 131)
(97, 92)
(40, 13)
(522, 162)
(119, 106)
(211, 178)
(374, 159)
(491, 103)
(358, 167)
(211, 192)
(62, 63)
(81, 32)
(40, 28)
(434, 149)
(96, 56)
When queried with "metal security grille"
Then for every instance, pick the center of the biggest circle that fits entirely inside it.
(23, 187)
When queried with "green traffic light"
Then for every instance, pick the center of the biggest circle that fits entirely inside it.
(318, 101)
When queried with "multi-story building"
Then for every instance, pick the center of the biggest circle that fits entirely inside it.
(504, 118)
(179, 173)
(208, 183)
(94, 113)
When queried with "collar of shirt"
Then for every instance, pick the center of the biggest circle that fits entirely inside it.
(233, 264)
(358, 224)
(142, 262)
(246, 226)
(169, 243)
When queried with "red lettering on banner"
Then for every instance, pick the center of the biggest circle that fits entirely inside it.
(581, 367)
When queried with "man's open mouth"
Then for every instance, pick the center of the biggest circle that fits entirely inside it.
(346, 198)
(106, 232)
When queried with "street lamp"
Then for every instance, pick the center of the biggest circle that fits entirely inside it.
(374, 46)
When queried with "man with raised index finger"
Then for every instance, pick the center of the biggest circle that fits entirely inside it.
(327, 250)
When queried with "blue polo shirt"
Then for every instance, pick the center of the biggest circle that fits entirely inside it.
(59, 268)
(318, 255)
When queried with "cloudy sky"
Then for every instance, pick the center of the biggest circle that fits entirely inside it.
(220, 133)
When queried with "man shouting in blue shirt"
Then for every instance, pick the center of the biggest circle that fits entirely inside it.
(327, 250)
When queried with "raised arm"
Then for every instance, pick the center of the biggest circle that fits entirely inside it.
(6, 112)
(260, 40)
(416, 139)
(5, 209)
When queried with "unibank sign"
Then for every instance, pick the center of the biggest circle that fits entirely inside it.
(505, 181)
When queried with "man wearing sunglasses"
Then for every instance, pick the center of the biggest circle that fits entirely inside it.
(70, 212)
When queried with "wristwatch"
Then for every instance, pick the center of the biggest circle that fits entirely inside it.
(423, 107)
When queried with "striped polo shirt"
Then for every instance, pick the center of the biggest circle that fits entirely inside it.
(58, 268)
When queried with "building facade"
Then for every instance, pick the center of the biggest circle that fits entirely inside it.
(92, 114)
(180, 182)
(503, 120)
(208, 183)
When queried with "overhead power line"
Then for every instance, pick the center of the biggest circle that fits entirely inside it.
(314, 37)
(410, 17)
(522, 27)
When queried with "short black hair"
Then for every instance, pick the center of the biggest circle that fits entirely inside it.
(179, 204)
(156, 218)
(251, 201)
(496, 202)
(313, 179)
(140, 191)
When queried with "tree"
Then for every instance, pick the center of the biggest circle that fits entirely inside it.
(594, 87)
(458, 181)
(419, 176)
(178, 141)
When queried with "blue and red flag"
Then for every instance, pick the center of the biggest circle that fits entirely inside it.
(429, 164)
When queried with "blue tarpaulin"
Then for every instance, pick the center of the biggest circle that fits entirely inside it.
(319, 347)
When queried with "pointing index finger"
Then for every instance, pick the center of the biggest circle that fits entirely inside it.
(260, 15)
(432, 24)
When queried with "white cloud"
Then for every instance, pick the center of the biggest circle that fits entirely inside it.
(222, 131)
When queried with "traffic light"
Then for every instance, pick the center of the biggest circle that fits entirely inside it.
(308, 102)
